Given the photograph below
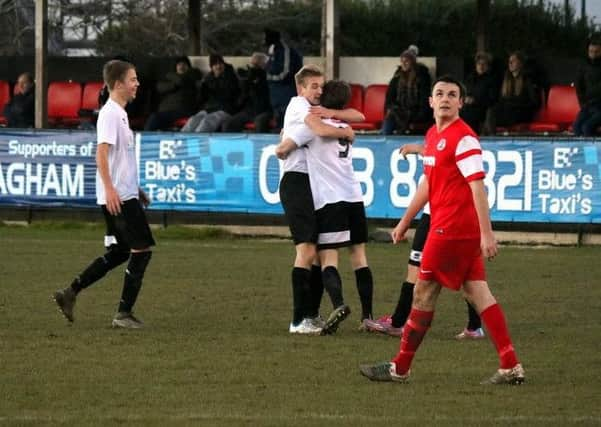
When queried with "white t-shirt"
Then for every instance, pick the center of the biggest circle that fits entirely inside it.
(113, 128)
(297, 110)
(330, 166)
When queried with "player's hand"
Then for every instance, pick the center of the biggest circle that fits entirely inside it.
(350, 134)
(488, 245)
(320, 111)
(113, 202)
(398, 233)
(280, 153)
(410, 149)
(144, 199)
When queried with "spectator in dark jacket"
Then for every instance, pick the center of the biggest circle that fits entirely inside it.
(284, 62)
(177, 95)
(588, 89)
(219, 92)
(20, 111)
(254, 100)
(519, 98)
(481, 92)
(407, 96)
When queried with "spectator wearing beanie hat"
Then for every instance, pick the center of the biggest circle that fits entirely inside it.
(407, 95)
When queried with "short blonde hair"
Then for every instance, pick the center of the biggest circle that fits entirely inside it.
(310, 70)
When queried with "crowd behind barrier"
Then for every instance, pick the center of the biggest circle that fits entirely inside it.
(547, 180)
(73, 105)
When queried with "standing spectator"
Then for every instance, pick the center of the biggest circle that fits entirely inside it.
(178, 95)
(219, 91)
(120, 198)
(284, 62)
(482, 90)
(20, 111)
(519, 99)
(588, 88)
(254, 100)
(407, 96)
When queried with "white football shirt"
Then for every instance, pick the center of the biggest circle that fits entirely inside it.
(113, 128)
(297, 110)
(330, 166)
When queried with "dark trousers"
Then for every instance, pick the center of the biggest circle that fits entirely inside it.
(588, 120)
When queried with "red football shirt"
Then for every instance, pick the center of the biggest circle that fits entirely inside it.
(452, 158)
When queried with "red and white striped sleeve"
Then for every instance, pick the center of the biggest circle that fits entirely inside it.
(468, 156)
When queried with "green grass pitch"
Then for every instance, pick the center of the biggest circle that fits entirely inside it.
(216, 352)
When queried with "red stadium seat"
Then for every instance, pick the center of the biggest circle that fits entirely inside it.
(4, 99)
(64, 103)
(560, 112)
(356, 100)
(89, 100)
(373, 107)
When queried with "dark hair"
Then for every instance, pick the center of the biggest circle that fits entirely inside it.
(183, 59)
(336, 94)
(452, 80)
(115, 70)
(215, 59)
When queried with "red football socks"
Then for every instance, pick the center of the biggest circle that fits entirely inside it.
(414, 330)
(495, 323)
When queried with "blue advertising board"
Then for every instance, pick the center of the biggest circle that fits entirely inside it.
(528, 180)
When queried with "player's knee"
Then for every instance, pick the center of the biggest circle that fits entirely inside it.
(138, 263)
(116, 256)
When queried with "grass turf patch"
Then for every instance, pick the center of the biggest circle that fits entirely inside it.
(215, 350)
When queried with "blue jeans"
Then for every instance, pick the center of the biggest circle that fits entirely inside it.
(588, 120)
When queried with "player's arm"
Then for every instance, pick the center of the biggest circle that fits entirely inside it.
(285, 147)
(488, 243)
(411, 149)
(417, 204)
(113, 202)
(347, 115)
(319, 128)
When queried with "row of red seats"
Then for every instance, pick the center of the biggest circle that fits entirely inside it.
(555, 115)
(69, 103)
(67, 100)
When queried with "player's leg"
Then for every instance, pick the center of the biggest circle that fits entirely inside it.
(363, 279)
(134, 227)
(403, 307)
(420, 318)
(297, 201)
(473, 330)
(479, 295)
(363, 275)
(333, 286)
(117, 253)
(316, 290)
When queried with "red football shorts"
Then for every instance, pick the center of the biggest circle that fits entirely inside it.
(452, 262)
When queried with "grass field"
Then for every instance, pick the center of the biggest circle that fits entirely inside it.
(216, 351)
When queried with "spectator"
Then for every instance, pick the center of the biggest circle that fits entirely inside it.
(284, 62)
(482, 90)
(588, 89)
(219, 91)
(20, 111)
(519, 98)
(178, 95)
(407, 96)
(254, 100)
